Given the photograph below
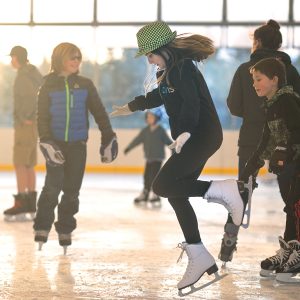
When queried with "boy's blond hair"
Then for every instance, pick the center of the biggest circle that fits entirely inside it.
(61, 53)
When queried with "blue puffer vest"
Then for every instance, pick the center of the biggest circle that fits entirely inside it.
(68, 112)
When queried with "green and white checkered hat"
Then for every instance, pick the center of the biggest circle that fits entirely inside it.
(153, 36)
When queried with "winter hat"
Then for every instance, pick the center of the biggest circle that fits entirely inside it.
(20, 52)
(153, 36)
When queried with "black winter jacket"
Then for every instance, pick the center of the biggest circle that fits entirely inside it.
(282, 125)
(243, 101)
(188, 103)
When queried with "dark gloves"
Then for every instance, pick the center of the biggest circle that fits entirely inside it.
(109, 152)
(252, 167)
(278, 159)
(52, 153)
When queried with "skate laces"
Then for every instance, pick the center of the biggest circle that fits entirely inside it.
(293, 259)
(281, 254)
(182, 247)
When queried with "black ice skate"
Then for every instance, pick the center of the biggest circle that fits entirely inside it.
(154, 200)
(271, 265)
(142, 198)
(229, 243)
(41, 237)
(290, 271)
(200, 261)
(65, 240)
(17, 213)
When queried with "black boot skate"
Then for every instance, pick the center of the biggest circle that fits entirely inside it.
(290, 271)
(32, 204)
(17, 213)
(41, 237)
(65, 240)
(229, 242)
(271, 265)
(142, 198)
(154, 200)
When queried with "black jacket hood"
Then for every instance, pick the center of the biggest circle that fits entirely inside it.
(265, 53)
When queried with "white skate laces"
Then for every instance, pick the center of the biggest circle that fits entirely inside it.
(226, 192)
(182, 247)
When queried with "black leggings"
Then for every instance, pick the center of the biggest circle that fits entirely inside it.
(177, 181)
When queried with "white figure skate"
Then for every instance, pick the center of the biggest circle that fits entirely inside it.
(200, 261)
(226, 192)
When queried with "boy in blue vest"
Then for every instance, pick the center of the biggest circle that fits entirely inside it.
(64, 101)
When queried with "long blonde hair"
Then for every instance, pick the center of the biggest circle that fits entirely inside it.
(185, 46)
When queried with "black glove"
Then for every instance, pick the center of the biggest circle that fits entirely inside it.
(278, 160)
(252, 167)
(52, 153)
(109, 152)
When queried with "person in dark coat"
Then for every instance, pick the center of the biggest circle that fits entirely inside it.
(243, 102)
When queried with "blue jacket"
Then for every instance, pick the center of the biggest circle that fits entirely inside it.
(63, 106)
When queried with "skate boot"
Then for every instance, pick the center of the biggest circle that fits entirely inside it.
(227, 192)
(142, 198)
(32, 203)
(154, 200)
(17, 213)
(199, 262)
(65, 240)
(41, 237)
(229, 242)
(271, 265)
(290, 271)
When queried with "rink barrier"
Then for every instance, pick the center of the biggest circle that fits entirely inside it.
(133, 170)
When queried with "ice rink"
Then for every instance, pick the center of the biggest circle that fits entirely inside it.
(120, 251)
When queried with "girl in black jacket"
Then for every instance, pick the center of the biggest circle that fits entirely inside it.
(280, 144)
(196, 131)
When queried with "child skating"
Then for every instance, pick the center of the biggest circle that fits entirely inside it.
(64, 103)
(154, 138)
(197, 135)
(280, 144)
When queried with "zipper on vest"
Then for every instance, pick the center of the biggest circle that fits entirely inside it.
(67, 110)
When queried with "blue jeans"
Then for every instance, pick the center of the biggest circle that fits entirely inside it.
(66, 179)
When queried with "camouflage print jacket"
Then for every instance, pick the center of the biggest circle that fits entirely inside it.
(282, 126)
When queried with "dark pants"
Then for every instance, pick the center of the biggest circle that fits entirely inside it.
(68, 179)
(151, 170)
(177, 181)
(289, 186)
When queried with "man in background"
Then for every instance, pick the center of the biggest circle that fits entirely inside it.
(26, 85)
